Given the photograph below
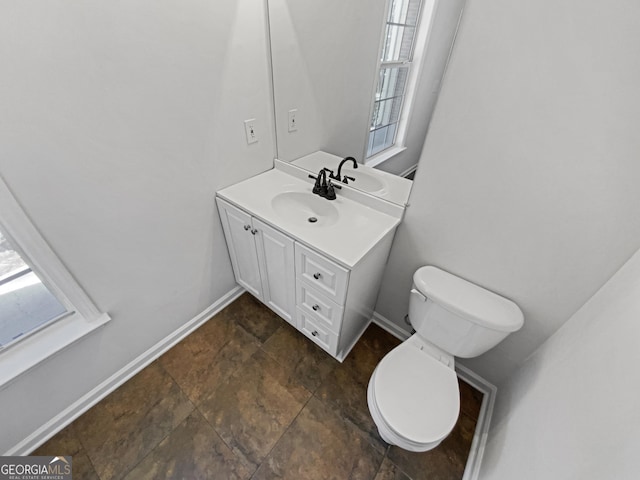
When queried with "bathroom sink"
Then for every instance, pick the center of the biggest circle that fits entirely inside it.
(304, 207)
(345, 229)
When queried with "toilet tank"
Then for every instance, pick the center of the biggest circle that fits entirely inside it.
(458, 316)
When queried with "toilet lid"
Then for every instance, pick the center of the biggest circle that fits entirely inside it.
(416, 394)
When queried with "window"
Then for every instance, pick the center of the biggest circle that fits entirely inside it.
(26, 304)
(42, 307)
(395, 64)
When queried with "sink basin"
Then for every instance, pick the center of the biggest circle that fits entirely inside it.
(303, 207)
(365, 181)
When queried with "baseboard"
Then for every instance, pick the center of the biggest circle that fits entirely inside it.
(472, 469)
(408, 171)
(68, 415)
(386, 324)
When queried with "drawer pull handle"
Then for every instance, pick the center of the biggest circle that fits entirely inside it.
(316, 307)
(314, 333)
(247, 227)
(254, 231)
(317, 275)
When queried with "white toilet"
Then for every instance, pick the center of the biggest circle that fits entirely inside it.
(413, 393)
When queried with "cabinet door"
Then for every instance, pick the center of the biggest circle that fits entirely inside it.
(242, 247)
(276, 258)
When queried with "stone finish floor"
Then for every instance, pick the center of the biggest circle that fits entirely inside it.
(247, 396)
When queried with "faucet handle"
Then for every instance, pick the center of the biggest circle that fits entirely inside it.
(345, 178)
(331, 174)
(331, 193)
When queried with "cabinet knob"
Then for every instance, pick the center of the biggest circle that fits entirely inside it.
(317, 275)
(247, 227)
(316, 307)
(254, 231)
(314, 333)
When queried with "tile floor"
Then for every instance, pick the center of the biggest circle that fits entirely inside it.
(247, 396)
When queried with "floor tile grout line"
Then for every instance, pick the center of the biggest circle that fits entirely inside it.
(282, 436)
(237, 368)
(398, 466)
(86, 452)
(231, 372)
(172, 428)
(235, 455)
(335, 406)
(362, 433)
(84, 449)
(384, 456)
(272, 357)
(197, 405)
(133, 467)
(311, 395)
(359, 430)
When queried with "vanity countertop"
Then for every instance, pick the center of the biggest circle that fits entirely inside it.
(347, 236)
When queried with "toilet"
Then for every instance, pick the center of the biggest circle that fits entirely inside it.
(413, 392)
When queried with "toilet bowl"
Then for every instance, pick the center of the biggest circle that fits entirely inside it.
(413, 397)
(413, 393)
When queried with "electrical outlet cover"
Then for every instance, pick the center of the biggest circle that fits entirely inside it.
(293, 120)
(250, 130)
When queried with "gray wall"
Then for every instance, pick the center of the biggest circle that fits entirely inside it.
(571, 412)
(119, 121)
(325, 56)
(528, 182)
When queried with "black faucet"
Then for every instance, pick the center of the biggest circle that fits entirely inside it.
(337, 176)
(322, 187)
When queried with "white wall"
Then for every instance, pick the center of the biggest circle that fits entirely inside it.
(324, 56)
(571, 412)
(119, 121)
(528, 182)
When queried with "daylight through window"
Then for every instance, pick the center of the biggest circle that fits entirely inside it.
(396, 57)
(26, 304)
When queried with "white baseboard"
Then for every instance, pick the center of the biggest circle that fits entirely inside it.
(84, 403)
(408, 171)
(472, 469)
(474, 460)
(389, 326)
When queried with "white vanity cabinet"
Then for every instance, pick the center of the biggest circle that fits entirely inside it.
(329, 303)
(262, 259)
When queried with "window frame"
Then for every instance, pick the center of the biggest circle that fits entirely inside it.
(82, 315)
(414, 65)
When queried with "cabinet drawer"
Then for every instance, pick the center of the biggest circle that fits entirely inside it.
(317, 306)
(321, 273)
(319, 335)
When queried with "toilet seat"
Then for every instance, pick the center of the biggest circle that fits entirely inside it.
(415, 395)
